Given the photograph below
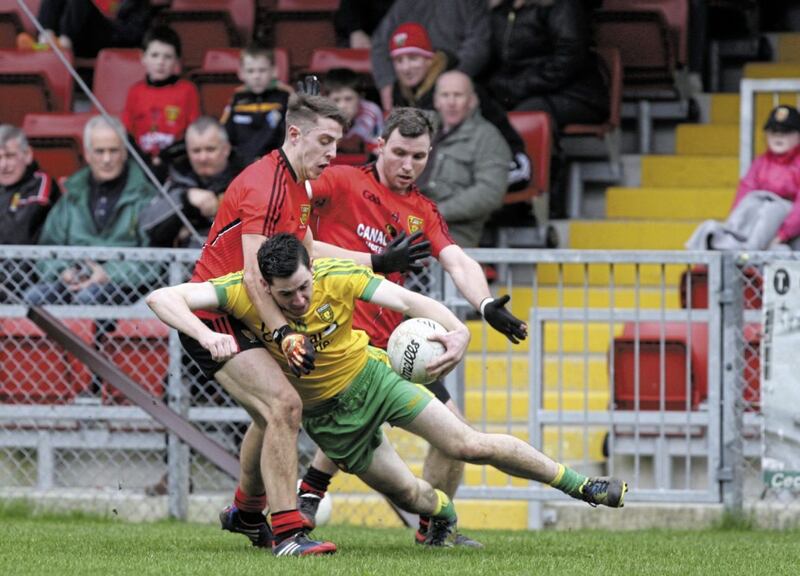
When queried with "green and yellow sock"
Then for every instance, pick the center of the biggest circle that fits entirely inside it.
(445, 507)
(568, 481)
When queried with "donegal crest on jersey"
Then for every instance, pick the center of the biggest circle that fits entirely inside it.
(328, 323)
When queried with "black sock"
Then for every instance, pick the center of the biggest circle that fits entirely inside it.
(252, 518)
(315, 481)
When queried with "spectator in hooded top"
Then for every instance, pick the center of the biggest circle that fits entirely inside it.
(195, 184)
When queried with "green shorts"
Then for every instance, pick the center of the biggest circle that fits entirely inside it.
(348, 426)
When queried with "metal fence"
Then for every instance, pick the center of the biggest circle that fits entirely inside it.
(639, 364)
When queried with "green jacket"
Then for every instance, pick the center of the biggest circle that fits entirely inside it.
(70, 223)
(467, 177)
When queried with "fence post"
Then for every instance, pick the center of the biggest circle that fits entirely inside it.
(731, 472)
(178, 462)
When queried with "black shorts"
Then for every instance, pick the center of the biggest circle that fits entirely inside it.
(224, 324)
(438, 390)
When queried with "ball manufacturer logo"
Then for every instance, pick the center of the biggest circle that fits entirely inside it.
(409, 356)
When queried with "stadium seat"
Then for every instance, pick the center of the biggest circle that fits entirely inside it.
(694, 288)
(10, 26)
(32, 82)
(608, 170)
(57, 141)
(242, 13)
(200, 28)
(116, 71)
(680, 382)
(140, 348)
(37, 370)
(12, 7)
(536, 131)
(355, 59)
(646, 50)
(217, 79)
(675, 14)
(301, 26)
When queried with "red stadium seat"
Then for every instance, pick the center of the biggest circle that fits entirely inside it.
(12, 7)
(199, 29)
(536, 131)
(116, 71)
(355, 59)
(57, 141)
(611, 59)
(10, 26)
(242, 12)
(675, 13)
(301, 26)
(37, 370)
(32, 82)
(694, 288)
(140, 348)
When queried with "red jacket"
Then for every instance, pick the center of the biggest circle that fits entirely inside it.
(779, 174)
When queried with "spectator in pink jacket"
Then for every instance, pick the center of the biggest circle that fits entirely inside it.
(766, 211)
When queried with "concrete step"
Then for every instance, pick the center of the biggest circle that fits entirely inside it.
(669, 203)
(788, 48)
(768, 70)
(566, 338)
(690, 171)
(707, 139)
(725, 109)
(600, 275)
(568, 373)
(662, 237)
(630, 235)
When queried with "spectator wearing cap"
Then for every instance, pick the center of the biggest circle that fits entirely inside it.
(766, 211)
(457, 27)
(417, 67)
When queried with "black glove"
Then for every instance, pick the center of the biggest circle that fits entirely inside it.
(402, 254)
(297, 348)
(495, 313)
(309, 86)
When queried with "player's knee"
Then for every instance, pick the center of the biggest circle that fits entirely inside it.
(284, 408)
(468, 449)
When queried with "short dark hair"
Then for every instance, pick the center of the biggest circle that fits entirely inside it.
(281, 256)
(307, 109)
(410, 122)
(340, 79)
(256, 50)
(165, 34)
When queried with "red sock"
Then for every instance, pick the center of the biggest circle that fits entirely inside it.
(286, 524)
(247, 503)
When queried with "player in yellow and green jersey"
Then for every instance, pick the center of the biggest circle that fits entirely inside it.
(352, 391)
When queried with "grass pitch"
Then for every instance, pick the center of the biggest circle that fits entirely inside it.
(80, 545)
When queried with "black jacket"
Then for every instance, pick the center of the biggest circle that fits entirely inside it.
(256, 123)
(159, 222)
(544, 48)
(24, 206)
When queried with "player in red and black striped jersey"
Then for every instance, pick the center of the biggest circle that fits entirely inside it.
(267, 198)
(362, 209)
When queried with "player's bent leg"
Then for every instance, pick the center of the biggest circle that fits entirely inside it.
(390, 475)
(313, 487)
(511, 455)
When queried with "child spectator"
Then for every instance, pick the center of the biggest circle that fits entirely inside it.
(365, 117)
(766, 211)
(255, 116)
(160, 108)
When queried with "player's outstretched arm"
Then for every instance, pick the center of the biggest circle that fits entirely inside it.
(390, 295)
(403, 254)
(173, 306)
(468, 277)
